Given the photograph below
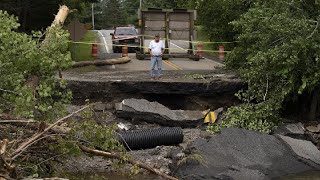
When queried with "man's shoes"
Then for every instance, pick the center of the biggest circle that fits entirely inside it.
(156, 78)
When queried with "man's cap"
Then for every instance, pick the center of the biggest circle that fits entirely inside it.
(157, 35)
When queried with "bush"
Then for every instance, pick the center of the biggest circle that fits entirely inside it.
(257, 117)
(278, 57)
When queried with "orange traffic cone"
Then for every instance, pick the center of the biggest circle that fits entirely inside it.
(221, 53)
(200, 53)
(94, 51)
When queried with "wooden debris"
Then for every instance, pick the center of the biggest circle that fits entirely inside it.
(36, 136)
(102, 62)
(131, 161)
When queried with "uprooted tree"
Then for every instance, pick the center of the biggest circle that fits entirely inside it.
(28, 87)
(278, 56)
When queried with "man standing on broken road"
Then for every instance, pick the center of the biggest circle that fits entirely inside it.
(156, 49)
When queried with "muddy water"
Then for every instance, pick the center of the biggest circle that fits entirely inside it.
(309, 175)
(109, 176)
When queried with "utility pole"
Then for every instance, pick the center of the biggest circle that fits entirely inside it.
(141, 4)
(92, 14)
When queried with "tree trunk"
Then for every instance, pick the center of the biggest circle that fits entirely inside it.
(102, 62)
(129, 160)
(25, 12)
(58, 21)
(311, 116)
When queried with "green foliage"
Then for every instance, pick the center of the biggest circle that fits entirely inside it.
(98, 136)
(81, 10)
(131, 6)
(203, 35)
(170, 4)
(194, 76)
(257, 117)
(278, 56)
(82, 52)
(165, 4)
(27, 82)
(84, 131)
(111, 13)
(215, 16)
(194, 156)
(65, 146)
(279, 49)
(189, 4)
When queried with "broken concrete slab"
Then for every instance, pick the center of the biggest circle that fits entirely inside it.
(242, 153)
(314, 129)
(154, 112)
(304, 149)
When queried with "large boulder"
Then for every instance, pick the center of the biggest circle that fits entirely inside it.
(154, 112)
(304, 149)
(243, 154)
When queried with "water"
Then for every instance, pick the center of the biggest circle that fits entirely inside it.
(308, 175)
(108, 176)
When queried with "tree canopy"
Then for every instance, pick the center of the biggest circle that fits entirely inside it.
(38, 14)
(111, 13)
(215, 16)
(278, 56)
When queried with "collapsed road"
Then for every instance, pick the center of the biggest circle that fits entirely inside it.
(192, 90)
(143, 108)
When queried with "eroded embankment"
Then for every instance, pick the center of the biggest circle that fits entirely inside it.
(196, 90)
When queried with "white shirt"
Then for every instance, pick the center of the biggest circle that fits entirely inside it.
(156, 47)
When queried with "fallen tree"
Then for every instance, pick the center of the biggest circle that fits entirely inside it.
(102, 62)
(28, 87)
(131, 161)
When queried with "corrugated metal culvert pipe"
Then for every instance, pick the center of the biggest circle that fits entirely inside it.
(150, 138)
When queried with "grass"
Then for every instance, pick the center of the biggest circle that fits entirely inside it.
(82, 52)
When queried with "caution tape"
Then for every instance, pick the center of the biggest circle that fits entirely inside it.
(145, 47)
(193, 42)
(196, 42)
